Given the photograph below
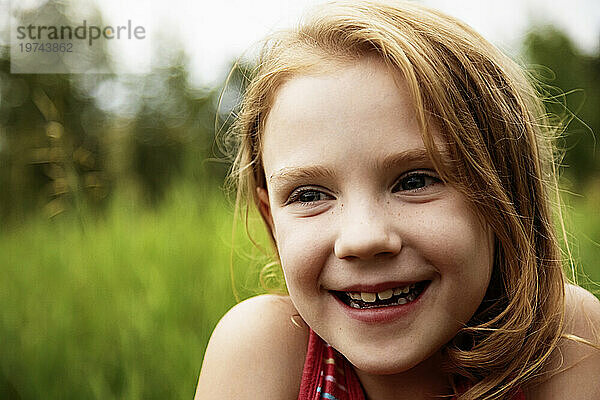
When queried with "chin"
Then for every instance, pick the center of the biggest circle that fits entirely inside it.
(388, 364)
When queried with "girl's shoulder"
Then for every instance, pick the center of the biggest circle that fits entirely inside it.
(574, 368)
(256, 351)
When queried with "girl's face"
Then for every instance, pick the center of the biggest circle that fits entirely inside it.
(383, 260)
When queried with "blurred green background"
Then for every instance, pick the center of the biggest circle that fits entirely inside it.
(116, 236)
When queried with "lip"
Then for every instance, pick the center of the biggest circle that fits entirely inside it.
(382, 314)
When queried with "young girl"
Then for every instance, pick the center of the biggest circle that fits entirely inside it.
(404, 168)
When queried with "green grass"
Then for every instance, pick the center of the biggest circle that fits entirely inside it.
(122, 306)
(584, 226)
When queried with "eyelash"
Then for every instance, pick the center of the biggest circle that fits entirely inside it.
(434, 180)
(296, 194)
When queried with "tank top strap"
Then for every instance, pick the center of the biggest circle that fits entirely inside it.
(327, 374)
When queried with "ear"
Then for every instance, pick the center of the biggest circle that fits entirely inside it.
(265, 208)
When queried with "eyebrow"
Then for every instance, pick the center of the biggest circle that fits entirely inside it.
(320, 172)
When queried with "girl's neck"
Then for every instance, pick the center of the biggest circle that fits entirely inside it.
(425, 381)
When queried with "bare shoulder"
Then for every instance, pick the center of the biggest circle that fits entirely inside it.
(575, 367)
(582, 313)
(256, 351)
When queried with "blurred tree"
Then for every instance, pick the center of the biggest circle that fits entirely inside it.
(173, 131)
(49, 160)
(68, 141)
(578, 77)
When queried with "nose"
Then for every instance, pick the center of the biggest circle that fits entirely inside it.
(366, 231)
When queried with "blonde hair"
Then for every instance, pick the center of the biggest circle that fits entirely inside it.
(501, 158)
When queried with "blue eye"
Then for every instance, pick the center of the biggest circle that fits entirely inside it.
(415, 181)
(307, 196)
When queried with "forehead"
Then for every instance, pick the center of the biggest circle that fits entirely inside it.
(363, 103)
(340, 87)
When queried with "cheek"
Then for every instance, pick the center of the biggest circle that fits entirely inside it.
(455, 242)
(302, 250)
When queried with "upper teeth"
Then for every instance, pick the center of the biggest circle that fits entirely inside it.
(369, 297)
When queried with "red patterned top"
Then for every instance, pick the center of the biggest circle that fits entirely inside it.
(328, 376)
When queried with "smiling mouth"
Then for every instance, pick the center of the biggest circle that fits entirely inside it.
(387, 298)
